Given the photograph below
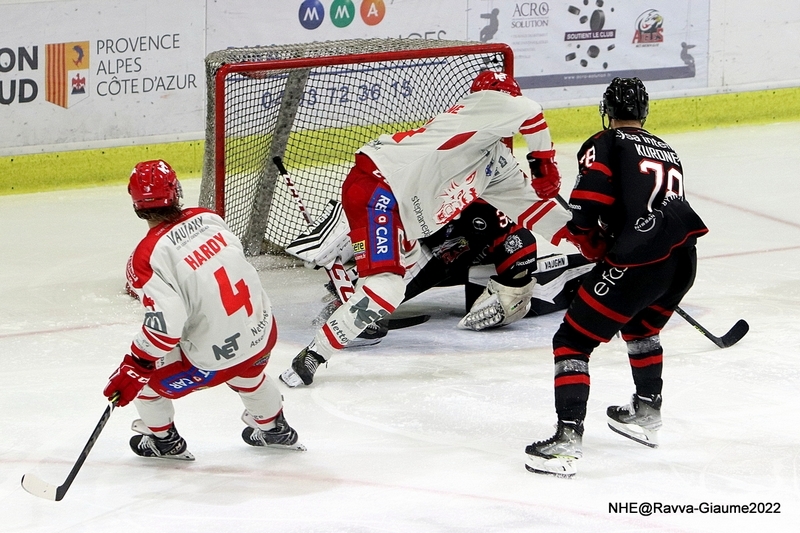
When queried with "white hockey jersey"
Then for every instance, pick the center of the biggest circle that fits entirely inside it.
(199, 293)
(437, 170)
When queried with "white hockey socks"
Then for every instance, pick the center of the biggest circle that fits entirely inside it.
(376, 297)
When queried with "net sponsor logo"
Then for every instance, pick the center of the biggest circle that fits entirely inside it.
(341, 12)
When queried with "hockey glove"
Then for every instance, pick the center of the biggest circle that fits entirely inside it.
(498, 306)
(546, 180)
(126, 382)
(325, 241)
(591, 242)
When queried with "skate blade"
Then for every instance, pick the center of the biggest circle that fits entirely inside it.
(297, 447)
(648, 437)
(553, 465)
(290, 378)
(355, 343)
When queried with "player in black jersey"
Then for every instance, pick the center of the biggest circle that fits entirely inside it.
(494, 259)
(629, 214)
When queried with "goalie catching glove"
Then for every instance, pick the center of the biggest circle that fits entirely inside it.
(498, 306)
(326, 240)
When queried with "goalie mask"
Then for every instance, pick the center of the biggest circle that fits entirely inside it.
(154, 184)
(625, 99)
(489, 80)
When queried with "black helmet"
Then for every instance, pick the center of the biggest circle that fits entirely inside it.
(625, 99)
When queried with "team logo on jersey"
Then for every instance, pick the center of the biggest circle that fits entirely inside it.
(513, 243)
(155, 321)
(451, 249)
(479, 224)
(455, 198)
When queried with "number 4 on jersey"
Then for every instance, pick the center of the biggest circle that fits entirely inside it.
(233, 300)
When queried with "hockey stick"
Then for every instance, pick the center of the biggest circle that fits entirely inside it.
(45, 490)
(337, 273)
(733, 335)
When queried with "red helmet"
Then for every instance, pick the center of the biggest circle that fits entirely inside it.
(154, 184)
(488, 80)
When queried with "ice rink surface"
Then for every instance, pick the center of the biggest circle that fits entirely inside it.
(424, 432)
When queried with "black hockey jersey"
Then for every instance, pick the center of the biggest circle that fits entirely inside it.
(631, 183)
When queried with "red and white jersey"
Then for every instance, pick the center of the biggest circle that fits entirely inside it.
(437, 170)
(199, 293)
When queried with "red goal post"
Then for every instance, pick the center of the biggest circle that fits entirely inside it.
(314, 105)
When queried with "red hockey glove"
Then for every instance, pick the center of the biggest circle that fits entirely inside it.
(591, 243)
(546, 179)
(131, 376)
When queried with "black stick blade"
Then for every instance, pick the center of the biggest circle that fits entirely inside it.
(736, 333)
(407, 322)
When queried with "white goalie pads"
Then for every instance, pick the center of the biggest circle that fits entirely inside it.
(498, 306)
(326, 240)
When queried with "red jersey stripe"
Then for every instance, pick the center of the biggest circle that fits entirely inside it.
(378, 300)
(647, 361)
(584, 295)
(592, 197)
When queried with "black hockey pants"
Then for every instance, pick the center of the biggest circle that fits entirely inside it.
(636, 301)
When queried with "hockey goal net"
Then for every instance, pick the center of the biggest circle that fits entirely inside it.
(314, 105)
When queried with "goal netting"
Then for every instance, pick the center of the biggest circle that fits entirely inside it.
(314, 105)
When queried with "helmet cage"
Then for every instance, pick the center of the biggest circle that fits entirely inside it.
(625, 99)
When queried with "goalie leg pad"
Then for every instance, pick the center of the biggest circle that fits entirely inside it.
(498, 306)
(326, 240)
(375, 298)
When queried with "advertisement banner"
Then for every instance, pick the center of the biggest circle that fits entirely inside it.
(88, 71)
(564, 48)
(239, 23)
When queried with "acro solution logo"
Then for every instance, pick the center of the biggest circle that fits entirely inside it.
(342, 13)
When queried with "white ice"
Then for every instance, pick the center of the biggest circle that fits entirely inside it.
(424, 432)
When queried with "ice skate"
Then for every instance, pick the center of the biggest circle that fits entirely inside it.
(373, 334)
(173, 446)
(639, 421)
(304, 365)
(281, 436)
(556, 456)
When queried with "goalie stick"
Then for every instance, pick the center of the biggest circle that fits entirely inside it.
(42, 489)
(337, 273)
(734, 335)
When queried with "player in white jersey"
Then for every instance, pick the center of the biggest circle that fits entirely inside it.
(207, 321)
(406, 186)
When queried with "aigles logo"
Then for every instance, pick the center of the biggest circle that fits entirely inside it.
(341, 12)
